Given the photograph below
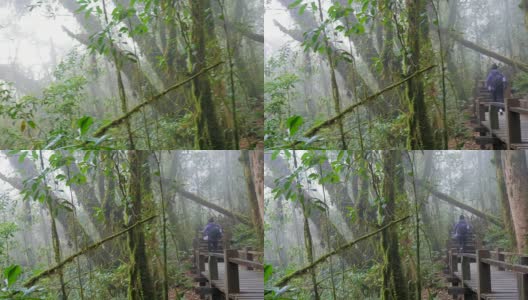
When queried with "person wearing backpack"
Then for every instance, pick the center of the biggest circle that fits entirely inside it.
(212, 233)
(461, 232)
(495, 84)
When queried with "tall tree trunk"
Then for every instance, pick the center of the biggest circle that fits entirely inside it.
(257, 164)
(515, 174)
(333, 79)
(140, 282)
(308, 243)
(258, 222)
(503, 196)
(394, 282)
(420, 133)
(208, 134)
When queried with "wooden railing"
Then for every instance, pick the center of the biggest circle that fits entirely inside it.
(510, 133)
(232, 259)
(484, 262)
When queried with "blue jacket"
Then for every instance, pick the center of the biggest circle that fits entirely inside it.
(492, 74)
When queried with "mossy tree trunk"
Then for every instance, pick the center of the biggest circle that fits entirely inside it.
(308, 242)
(394, 282)
(420, 134)
(140, 281)
(258, 222)
(208, 134)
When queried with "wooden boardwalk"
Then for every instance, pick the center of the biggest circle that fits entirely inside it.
(488, 275)
(503, 283)
(235, 274)
(508, 130)
(501, 131)
(251, 283)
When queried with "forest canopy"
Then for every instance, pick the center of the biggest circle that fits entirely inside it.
(386, 74)
(140, 74)
(379, 224)
(120, 224)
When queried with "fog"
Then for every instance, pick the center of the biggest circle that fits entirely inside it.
(58, 63)
(367, 44)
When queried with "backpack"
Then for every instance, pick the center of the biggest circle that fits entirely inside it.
(215, 233)
(497, 81)
(462, 229)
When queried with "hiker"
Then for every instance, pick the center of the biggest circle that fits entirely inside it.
(461, 232)
(212, 234)
(495, 84)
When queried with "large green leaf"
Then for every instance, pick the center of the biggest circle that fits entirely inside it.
(84, 124)
(12, 273)
(294, 123)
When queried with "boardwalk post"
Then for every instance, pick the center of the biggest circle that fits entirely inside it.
(483, 273)
(453, 261)
(513, 123)
(201, 262)
(232, 280)
(481, 112)
(248, 256)
(523, 280)
(196, 253)
(213, 268)
(466, 272)
(500, 257)
(494, 116)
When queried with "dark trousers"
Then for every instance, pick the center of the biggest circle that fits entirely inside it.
(461, 242)
(212, 245)
(498, 95)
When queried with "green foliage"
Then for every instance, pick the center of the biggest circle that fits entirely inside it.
(12, 288)
(520, 83)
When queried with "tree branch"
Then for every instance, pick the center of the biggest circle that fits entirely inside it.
(468, 44)
(284, 280)
(363, 101)
(237, 216)
(461, 205)
(31, 281)
(102, 130)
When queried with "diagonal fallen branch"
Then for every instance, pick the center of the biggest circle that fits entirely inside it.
(442, 196)
(102, 130)
(31, 281)
(284, 280)
(363, 101)
(234, 215)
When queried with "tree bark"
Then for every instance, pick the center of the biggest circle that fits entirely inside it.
(503, 196)
(420, 133)
(515, 175)
(258, 221)
(208, 134)
(394, 282)
(140, 281)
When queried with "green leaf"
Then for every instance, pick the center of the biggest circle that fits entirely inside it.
(294, 4)
(12, 273)
(294, 123)
(83, 124)
(302, 8)
(268, 271)
(22, 156)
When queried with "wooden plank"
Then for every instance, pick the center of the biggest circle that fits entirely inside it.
(483, 273)
(251, 283)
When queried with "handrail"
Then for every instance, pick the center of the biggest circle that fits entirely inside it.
(508, 132)
(514, 268)
(247, 263)
(232, 258)
(483, 260)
